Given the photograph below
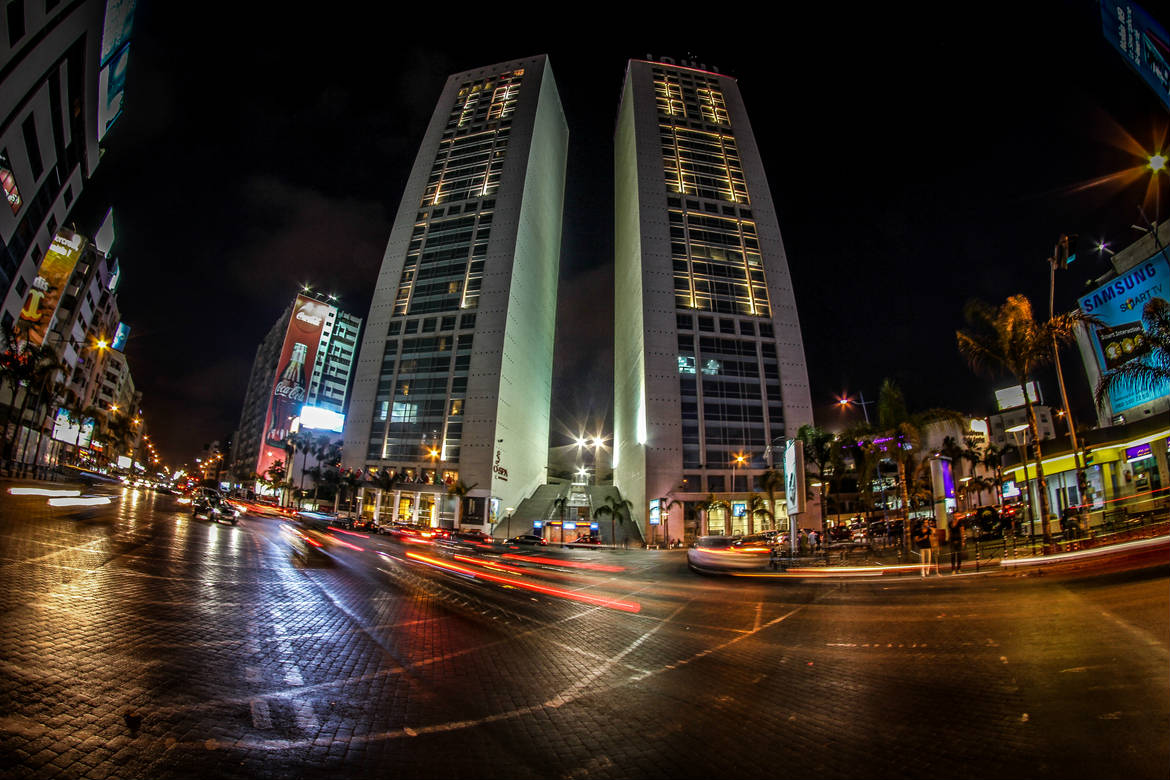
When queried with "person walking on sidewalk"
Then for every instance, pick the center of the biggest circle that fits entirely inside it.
(922, 540)
(955, 539)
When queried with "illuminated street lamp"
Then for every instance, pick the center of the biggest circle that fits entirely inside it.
(845, 402)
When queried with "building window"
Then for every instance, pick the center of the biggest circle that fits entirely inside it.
(15, 16)
(8, 179)
(32, 144)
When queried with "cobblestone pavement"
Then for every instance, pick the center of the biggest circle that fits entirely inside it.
(136, 642)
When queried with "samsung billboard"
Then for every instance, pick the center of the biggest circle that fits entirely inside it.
(1120, 337)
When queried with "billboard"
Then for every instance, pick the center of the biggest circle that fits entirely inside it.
(1121, 337)
(1142, 42)
(319, 418)
(294, 369)
(120, 335)
(794, 476)
(1013, 397)
(72, 431)
(111, 90)
(8, 180)
(56, 267)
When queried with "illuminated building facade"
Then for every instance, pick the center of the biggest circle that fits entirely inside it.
(454, 376)
(63, 68)
(709, 374)
(325, 340)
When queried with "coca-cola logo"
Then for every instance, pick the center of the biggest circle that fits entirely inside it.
(288, 391)
(312, 319)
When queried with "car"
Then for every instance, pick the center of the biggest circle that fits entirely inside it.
(530, 539)
(586, 540)
(307, 539)
(214, 508)
(475, 537)
(727, 553)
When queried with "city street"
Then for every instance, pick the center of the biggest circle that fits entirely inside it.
(138, 642)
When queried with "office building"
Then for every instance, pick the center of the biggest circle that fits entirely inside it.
(453, 383)
(709, 374)
(301, 372)
(63, 68)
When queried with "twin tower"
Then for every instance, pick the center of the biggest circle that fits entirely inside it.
(454, 376)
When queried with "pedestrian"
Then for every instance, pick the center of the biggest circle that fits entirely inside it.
(955, 534)
(937, 536)
(803, 541)
(922, 537)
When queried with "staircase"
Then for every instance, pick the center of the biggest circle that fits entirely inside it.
(538, 506)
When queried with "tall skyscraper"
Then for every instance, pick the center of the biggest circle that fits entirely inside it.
(709, 369)
(303, 364)
(453, 382)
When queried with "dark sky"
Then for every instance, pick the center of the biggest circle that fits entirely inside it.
(916, 162)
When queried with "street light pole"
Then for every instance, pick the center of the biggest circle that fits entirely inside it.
(1062, 255)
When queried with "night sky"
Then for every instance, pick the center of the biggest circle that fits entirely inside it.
(916, 162)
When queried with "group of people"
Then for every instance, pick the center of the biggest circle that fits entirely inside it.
(929, 541)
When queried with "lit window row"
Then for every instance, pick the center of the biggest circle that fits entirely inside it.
(717, 264)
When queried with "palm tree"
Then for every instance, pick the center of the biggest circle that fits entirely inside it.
(710, 505)
(900, 438)
(1008, 339)
(1151, 371)
(615, 508)
(460, 491)
(560, 503)
(771, 481)
(758, 507)
(821, 450)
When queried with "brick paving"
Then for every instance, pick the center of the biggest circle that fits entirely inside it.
(137, 642)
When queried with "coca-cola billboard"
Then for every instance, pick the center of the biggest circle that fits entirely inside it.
(294, 371)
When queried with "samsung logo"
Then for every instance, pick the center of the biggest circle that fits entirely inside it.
(1122, 286)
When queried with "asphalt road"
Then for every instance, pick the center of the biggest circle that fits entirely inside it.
(136, 641)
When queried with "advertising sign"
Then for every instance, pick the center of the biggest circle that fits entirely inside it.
(794, 476)
(1013, 397)
(294, 369)
(1118, 305)
(655, 512)
(71, 431)
(1142, 42)
(8, 180)
(320, 419)
(112, 90)
(739, 509)
(56, 267)
(120, 335)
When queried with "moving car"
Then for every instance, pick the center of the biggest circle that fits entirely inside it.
(525, 539)
(213, 507)
(586, 540)
(727, 553)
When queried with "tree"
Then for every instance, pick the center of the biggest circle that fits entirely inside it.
(821, 450)
(1008, 339)
(771, 481)
(615, 508)
(709, 505)
(461, 490)
(758, 507)
(899, 438)
(1151, 371)
(560, 503)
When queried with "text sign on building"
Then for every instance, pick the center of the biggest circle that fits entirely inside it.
(293, 372)
(1142, 42)
(1121, 338)
(41, 300)
(794, 476)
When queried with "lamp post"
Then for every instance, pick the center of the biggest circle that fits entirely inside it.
(845, 402)
(1015, 431)
(740, 459)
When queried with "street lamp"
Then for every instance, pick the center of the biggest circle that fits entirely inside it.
(845, 402)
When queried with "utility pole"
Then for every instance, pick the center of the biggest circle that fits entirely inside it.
(1062, 255)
